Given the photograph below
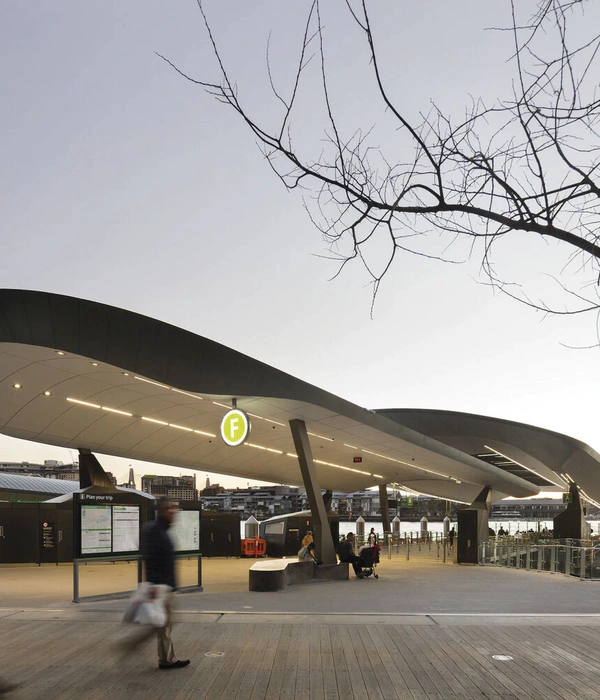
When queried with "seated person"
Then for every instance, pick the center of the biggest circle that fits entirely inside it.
(307, 539)
(345, 552)
(307, 553)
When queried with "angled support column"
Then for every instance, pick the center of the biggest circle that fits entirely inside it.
(91, 472)
(384, 507)
(322, 534)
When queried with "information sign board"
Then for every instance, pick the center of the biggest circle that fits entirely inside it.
(125, 528)
(96, 529)
(185, 531)
(107, 523)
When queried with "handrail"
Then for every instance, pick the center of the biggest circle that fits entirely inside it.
(582, 561)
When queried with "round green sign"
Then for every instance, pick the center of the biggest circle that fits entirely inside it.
(235, 427)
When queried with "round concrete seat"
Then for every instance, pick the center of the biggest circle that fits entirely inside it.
(268, 575)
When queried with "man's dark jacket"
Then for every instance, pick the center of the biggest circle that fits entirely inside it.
(345, 550)
(158, 553)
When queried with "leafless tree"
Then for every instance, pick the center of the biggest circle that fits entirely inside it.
(525, 165)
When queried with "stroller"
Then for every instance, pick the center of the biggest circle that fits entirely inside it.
(368, 560)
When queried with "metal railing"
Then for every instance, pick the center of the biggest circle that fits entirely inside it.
(553, 557)
(77, 598)
(432, 545)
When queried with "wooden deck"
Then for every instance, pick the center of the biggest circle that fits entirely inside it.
(72, 655)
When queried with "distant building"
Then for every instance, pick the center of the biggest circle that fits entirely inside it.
(528, 509)
(181, 488)
(262, 502)
(50, 469)
(211, 490)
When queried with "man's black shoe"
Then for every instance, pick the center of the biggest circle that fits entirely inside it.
(6, 688)
(174, 664)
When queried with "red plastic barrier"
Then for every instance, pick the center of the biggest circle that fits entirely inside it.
(249, 548)
(254, 547)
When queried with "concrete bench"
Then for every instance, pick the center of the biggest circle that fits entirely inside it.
(278, 574)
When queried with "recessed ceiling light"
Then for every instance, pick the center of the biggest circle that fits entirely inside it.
(125, 374)
(95, 364)
(60, 352)
(17, 386)
(47, 393)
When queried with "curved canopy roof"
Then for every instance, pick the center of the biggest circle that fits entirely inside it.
(80, 374)
(543, 457)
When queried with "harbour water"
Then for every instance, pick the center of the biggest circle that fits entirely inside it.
(512, 527)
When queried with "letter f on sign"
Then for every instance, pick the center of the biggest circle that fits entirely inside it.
(233, 426)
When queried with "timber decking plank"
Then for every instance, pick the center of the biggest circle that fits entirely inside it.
(520, 649)
(244, 650)
(302, 689)
(231, 662)
(459, 689)
(340, 667)
(316, 665)
(330, 688)
(243, 687)
(264, 666)
(400, 659)
(363, 661)
(570, 654)
(504, 685)
(550, 675)
(277, 669)
(373, 643)
(290, 665)
(359, 689)
(464, 664)
(380, 640)
(420, 652)
(529, 682)
(208, 668)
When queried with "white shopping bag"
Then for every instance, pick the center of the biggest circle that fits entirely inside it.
(146, 610)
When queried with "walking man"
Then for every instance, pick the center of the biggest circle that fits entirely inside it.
(159, 558)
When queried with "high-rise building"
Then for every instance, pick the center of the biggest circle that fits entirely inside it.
(181, 488)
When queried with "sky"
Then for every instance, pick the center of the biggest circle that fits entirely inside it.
(123, 183)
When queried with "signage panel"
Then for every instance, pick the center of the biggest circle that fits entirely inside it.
(185, 531)
(126, 528)
(96, 529)
(235, 427)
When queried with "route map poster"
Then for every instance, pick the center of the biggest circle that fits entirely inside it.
(125, 528)
(185, 531)
(96, 529)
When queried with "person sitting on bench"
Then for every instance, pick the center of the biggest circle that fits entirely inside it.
(345, 552)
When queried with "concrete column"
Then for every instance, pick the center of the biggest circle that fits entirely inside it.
(571, 523)
(473, 528)
(322, 531)
(384, 506)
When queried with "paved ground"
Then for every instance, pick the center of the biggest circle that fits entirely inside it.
(424, 630)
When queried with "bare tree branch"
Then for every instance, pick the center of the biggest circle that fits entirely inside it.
(526, 165)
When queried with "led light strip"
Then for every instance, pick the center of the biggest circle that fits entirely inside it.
(339, 466)
(146, 418)
(200, 432)
(321, 437)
